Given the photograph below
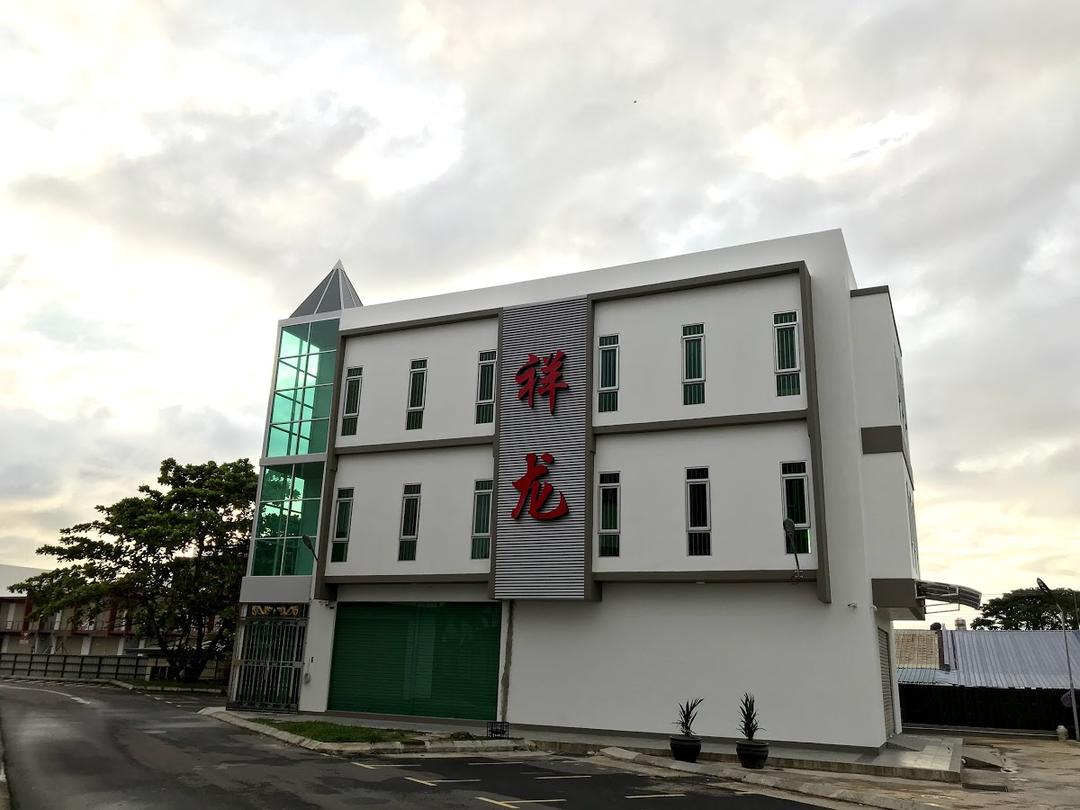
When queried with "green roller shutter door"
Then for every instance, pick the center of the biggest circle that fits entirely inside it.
(428, 659)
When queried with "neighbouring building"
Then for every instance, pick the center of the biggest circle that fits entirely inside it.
(989, 679)
(563, 502)
(108, 633)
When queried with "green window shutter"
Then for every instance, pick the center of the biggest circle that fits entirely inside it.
(609, 368)
(786, 352)
(693, 368)
(421, 659)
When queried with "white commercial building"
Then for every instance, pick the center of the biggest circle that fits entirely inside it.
(576, 501)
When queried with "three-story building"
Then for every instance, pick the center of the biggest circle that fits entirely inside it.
(575, 501)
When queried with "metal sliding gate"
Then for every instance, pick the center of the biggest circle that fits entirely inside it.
(270, 664)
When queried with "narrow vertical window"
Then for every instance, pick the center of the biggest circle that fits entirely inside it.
(786, 331)
(796, 505)
(693, 357)
(900, 400)
(609, 374)
(350, 410)
(414, 415)
(698, 525)
(609, 514)
(410, 522)
(339, 543)
(481, 520)
(485, 389)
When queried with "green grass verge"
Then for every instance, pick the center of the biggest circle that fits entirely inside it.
(333, 732)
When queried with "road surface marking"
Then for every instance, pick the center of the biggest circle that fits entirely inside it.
(507, 762)
(437, 782)
(50, 691)
(422, 782)
(583, 776)
(658, 796)
(513, 803)
(373, 767)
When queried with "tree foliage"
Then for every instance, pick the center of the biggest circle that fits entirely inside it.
(172, 557)
(1028, 609)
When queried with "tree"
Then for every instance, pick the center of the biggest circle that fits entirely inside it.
(1028, 609)
(172, 558)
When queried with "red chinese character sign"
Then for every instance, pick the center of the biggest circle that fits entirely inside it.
(536, 492)
(543, 377)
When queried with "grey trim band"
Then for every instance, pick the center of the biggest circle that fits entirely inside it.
(705, 576)
(424, 444)
(303, 458)
(813, 432)
(882, 439)
(882, 290)
(734, 420)
(898, 593)
(404, 579)
(420, 323)
(728, 277)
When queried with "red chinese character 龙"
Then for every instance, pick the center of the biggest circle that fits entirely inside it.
(541, 377)
(531, 489)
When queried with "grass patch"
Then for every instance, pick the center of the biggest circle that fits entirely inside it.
(322, 731)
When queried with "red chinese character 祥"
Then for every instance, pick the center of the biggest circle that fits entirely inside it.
(541, 377)
(531, 489)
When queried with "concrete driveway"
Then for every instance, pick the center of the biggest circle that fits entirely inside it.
(83, 747)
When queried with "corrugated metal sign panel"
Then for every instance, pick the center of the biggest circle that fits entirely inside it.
(543, 559)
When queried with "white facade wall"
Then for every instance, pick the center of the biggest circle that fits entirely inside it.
(746, 497)
(452, 352)
(624, 663)
(318, 656)
(886, 489)
(739, 350)
(877, 358)
(444, 542)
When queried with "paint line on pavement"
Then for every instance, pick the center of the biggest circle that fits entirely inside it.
(497, 804)
(507, 762)
(421, 782)
(452, 781)
(581, 776)
(373, 767)
(513, 803)
(49, 691)
(658, 796)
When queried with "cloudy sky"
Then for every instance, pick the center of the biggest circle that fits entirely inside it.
(176, 177)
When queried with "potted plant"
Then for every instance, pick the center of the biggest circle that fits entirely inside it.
(752, 753)
(685, 747)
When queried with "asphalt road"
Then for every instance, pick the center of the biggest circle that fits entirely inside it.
(83, 747)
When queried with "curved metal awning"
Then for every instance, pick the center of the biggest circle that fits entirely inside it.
(945, 592)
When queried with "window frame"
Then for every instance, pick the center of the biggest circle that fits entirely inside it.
(602, 389)
(481, 363)
(422, 371)
(685, 340)
(406, 496)
(475, 536)
(335, 541)
(691, 529)
(614, 534)
(804, 476)
(793, 325)
(350, 378)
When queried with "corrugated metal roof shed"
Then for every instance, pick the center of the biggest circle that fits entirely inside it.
(1002, 659)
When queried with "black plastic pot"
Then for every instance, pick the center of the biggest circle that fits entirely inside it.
(685, 749)
(752, 753)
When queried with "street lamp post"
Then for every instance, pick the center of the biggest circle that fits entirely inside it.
(1068, 659)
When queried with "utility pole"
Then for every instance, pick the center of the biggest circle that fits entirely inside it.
(1068, 659)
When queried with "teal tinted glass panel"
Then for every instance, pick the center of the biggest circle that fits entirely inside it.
(290, 373)
(284, 406)
(308, 480)
(292, 516)
(795, 499)
(487, 382)
(319, 431)
(324, 336)
(322, 399)
(267, 558)
(787, 384)
(609, 509)
(271, 523)
(293, 340)
(609, 368)
(276, 483)
(693, 393)
(786, 355)
(482, 513)
(320, 368)
(692, 369)
(344, 515)
(277, 442)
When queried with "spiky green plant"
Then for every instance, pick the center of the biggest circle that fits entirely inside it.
(687, 715)
(748, 722)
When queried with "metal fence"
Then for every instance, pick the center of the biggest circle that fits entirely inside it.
(270, 665)
(75, 667)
